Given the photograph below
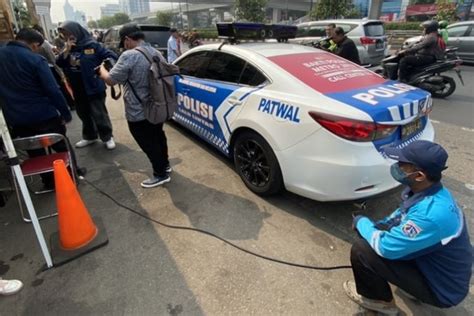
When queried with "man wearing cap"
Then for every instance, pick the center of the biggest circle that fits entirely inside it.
(423, 247)
(132, 70)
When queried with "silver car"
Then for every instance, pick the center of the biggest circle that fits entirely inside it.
(368, 35)
(460, 35)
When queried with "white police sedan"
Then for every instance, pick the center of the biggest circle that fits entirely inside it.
(299, 118)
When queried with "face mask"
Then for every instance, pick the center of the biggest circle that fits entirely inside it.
(399, 175)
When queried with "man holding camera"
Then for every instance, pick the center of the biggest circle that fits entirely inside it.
(79, 59)
(423, 247)
(132, 70)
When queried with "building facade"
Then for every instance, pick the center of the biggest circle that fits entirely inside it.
(109, 10)
(135, 7)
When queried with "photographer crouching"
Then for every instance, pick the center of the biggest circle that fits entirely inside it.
(423, 247)
(131, 70)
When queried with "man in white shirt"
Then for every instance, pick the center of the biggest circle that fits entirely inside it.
(173, 50)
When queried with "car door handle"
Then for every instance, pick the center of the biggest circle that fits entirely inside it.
(234, 102)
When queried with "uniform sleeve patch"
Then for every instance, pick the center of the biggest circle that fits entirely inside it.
(410, 229)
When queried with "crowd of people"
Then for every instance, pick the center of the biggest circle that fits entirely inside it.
(427, 51)
(423, 247)
(42, 84)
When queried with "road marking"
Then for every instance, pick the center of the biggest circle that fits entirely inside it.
(466, 129)
(469, 186)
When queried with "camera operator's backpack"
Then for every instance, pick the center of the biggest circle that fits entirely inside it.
(162, 103)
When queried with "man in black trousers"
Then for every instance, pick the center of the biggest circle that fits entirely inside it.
(33, 102)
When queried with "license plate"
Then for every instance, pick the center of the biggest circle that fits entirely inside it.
(411, 128)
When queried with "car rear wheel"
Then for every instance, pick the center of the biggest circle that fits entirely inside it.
(256, 164)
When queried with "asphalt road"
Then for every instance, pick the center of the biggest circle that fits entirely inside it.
(458, 109)
(150, 270)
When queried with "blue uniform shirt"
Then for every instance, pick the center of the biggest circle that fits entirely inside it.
(28, 87)
(429, 228)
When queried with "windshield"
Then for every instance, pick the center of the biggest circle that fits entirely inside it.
(374, 29)
(157, 38)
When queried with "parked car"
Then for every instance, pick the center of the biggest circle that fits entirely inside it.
(460, 35)
(368, 35)
(300, 118)
(156, 35)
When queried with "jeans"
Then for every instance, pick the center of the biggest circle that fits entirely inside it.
(54, 125)
(373, 274)
(152, 140)
(95, 118)
(407, 63)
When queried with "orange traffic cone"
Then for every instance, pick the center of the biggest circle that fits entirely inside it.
(78, 234)
(76, 228)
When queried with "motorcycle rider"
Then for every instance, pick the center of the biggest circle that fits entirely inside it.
(424, 53)
(345, 47)
(327, 43)
(443, 32)
(194, 39)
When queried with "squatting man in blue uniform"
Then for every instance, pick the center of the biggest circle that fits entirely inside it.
(423, 247)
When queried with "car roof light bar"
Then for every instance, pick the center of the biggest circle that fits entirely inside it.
(233, 32)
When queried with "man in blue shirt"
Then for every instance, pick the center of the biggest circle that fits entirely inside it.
(173, 48)
(423, 247)
(33, 101)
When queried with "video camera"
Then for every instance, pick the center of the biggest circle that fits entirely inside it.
(108, 64)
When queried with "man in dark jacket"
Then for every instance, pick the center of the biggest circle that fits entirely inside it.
(345, 47)
(424, 53)
(33, 102)
(79, 59)
(423, 247)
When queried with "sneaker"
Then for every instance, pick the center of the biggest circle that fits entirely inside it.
(85, 142)
(9, 287)
(168, 169)
(110, 144)
(155, 181)
(385, 308)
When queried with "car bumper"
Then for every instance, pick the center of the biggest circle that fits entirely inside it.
(327, 168)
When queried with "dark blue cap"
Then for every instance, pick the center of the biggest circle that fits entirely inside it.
(427, 156)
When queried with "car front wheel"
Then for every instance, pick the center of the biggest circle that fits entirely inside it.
(256, 164)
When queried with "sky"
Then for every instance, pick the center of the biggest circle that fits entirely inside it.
(90, 7)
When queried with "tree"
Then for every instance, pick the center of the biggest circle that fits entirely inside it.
(330, 9)
(164, 17)
(121, 18)
(92, 24)
(250, 10)
(109, 21)
(446, 10)
(21, 13)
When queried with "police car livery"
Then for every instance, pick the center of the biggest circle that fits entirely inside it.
(299, 118)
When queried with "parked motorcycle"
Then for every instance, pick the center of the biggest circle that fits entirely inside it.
(427, 77)
(195, 43)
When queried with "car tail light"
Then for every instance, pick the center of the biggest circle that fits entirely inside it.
(355, 130)
(367, 40)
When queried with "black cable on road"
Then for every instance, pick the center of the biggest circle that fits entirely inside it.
(298, 265)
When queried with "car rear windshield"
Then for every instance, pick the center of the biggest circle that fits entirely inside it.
(374, 29)
(326, 72)
(157, 38)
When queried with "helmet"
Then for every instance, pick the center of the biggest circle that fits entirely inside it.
(430, 26)
(443, 24)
